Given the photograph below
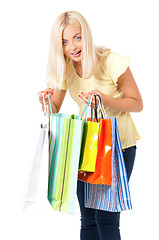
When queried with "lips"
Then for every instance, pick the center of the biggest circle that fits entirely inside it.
(76, 53)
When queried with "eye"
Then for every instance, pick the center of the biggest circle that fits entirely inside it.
(64, 42)
(78, 38)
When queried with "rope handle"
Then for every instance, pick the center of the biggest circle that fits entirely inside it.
(103, 113)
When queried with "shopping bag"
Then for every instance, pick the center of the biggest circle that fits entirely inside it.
(114, 197)
(102, 174)
(36, 184)
(89, 145)
(64, 152)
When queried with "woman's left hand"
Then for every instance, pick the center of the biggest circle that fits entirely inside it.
(86, 96)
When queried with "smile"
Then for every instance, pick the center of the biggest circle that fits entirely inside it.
(76, 54)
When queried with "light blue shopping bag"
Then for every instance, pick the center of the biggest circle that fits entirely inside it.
(114, 197)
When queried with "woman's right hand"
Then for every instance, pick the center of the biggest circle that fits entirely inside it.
(45, 92)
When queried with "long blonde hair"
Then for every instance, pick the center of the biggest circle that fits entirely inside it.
(57, 62)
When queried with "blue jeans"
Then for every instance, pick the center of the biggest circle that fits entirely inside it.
(98, 224)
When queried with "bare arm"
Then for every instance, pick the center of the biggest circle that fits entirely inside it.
(131, 102)
(56, 98)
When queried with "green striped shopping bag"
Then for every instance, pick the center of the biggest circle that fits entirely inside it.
(64, 152)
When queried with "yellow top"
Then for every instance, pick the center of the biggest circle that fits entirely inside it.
(105, 81)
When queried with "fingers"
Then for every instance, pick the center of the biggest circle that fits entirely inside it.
(87, 96)
(46, 92)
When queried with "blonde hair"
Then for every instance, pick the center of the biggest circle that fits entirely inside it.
(57, 62)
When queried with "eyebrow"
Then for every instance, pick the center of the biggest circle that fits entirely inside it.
(73, 36)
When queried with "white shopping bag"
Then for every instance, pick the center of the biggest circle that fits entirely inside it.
(37, 183)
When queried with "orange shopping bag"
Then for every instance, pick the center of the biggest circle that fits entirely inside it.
(103, 167)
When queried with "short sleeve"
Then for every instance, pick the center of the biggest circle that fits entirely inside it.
(52, 85)
(64, 85)
(117, 65)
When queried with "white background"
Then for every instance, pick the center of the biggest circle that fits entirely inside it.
(128, 28)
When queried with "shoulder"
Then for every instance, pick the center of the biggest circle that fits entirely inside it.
(106, 62)
(115, 58)
(115, 65)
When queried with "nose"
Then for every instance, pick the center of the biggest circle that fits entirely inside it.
(73, 46)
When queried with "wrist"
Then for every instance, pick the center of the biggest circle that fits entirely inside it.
(104, 99)
(54, 109)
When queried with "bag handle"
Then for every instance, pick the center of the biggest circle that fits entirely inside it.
(50, 108)
(88, 106)
(44, 120)
(95, 110)
(45, 108)
(103, 113)
(85, 110)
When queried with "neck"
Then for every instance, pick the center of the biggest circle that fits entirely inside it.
(78, 68)
(77, 65)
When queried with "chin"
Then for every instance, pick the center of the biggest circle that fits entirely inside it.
(77, 60)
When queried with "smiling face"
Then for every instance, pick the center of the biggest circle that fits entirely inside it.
(72, 42)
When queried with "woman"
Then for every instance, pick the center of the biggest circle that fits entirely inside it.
(76, 64)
